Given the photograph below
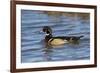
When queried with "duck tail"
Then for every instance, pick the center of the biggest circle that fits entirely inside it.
(81, 36)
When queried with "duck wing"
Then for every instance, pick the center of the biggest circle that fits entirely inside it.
(68, 37)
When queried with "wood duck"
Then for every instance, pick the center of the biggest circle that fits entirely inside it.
(59, 40)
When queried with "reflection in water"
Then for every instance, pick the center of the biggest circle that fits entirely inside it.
(48, 50)
(47, 54)
(63, 24)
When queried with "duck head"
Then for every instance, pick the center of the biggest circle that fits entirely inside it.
(47, 30)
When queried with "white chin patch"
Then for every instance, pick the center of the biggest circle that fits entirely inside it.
(47, 34)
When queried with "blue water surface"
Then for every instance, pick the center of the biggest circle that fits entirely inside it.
(62, 24)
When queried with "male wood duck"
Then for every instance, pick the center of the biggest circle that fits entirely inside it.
(59, 40)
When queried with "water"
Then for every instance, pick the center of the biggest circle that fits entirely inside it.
(63, 24)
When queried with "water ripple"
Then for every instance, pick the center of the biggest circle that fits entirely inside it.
(32, 39)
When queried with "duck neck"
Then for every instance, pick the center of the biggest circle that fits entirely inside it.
(48, 36)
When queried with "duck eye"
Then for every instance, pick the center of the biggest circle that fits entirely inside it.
(44, 30)
(48, 31)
